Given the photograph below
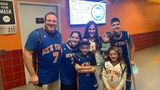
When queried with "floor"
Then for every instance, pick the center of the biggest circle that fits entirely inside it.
(148, 77)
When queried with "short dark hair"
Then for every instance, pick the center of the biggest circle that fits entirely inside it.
(111, 38)
(84, 41)
(50, 13)
(115, 19)
(76, 31)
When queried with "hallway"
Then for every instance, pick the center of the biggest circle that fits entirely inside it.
(148, 63)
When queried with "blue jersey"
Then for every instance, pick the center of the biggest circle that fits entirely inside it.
(86, 81)
(121, 43)
(48, 57)
(67, 70)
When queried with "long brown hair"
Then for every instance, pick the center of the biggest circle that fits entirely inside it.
(120, 58)
(97, 38)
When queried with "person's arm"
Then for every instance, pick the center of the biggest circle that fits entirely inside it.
(84, 69)
(105, 46)
(91, 68)
(132, 50)
(31, 44)
(123, 80)
(79, 67)
(27, 57)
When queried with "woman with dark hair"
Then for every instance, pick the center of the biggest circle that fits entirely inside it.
(91, 33)
(67, 70)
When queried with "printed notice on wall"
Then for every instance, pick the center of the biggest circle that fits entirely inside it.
(6, 12)
(7, 17)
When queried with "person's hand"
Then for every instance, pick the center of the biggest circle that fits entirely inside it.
(110, 88)
(105, 56)
(34, 79)
(82, 65)
(133, 63)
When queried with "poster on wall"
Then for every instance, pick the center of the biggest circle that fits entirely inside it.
(7, 17)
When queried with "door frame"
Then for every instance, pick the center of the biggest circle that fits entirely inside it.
(40, 3)
(37, 3)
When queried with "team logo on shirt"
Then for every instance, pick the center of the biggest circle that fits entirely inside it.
(113, 72)
(96, 85)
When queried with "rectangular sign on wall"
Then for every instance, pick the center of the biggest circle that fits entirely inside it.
(6, 12)
(7, 17)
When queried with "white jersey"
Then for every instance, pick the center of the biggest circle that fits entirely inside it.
(112, 75)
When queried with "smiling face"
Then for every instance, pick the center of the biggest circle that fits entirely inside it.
(92, 31)
(50, 23)
(113, 55)
(74, 39)
(84, 49)
(116, 27)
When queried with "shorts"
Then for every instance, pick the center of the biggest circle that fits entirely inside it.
(68, 87)
(53, 86)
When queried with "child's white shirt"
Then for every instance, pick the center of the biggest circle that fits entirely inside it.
(112, 76)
